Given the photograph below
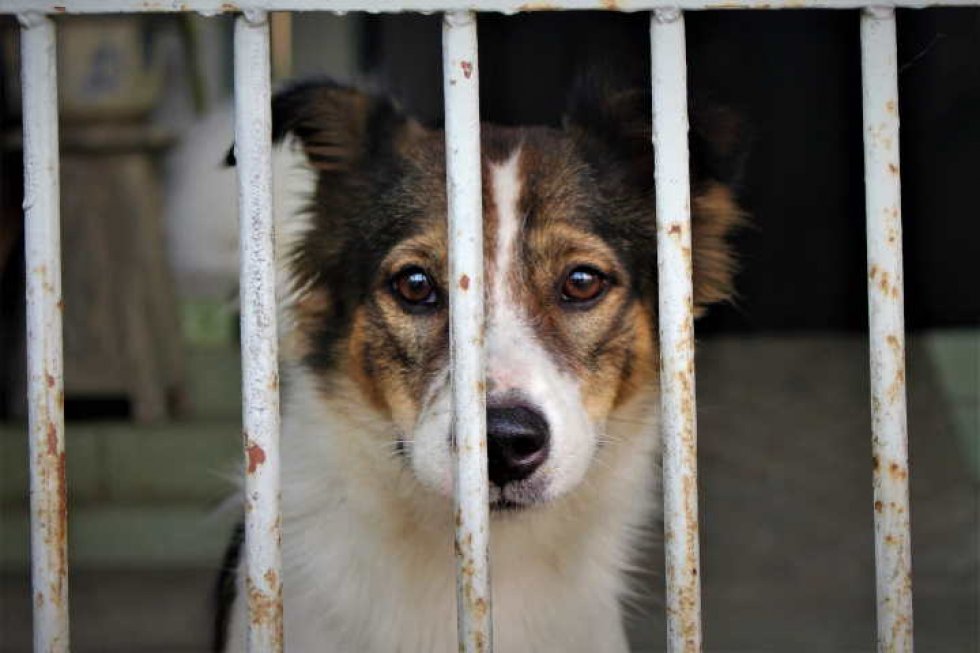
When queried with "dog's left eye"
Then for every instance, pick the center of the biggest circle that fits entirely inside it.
(583, 284)
(415, 288)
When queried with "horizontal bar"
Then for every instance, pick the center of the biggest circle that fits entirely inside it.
(210, 7)
(678, 415)
(45, 378)
(893, 544)
(260, 367)
(461, 87)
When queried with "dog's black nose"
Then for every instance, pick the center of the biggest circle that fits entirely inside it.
(517, 442)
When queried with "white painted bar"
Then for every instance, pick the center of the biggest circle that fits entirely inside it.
(461, 86)
(260, 367)
(893, 542)
(211, 7)
(678, 415)
(45, 379)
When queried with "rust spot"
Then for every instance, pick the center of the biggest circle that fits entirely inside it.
(890, 106)
(884, 284)
(59, 9)
(49, 380)
(611, 5)
(467, 67)
(227, 6)
(674, 230)
(271, 577)
(264, 610)
(874, 463)
(60, 305)
(256, 456)
(873, 272)
(274, 383)
(892, 168)
(480, 608)
(52, 440)
(878, 506)
(464, 282)
(896, 472)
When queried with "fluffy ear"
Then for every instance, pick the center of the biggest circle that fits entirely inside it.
(612, 124)
(337, 126)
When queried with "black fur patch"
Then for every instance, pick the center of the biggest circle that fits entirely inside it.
(225, 589)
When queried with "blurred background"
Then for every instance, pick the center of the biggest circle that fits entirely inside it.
(149, 234)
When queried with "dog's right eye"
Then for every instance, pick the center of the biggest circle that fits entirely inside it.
(415, 288)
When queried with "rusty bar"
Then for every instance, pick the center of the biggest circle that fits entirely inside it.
(678, 417)
(260, 369)
(893, 542)
(461, 86)
(212, 7)
(45, 381)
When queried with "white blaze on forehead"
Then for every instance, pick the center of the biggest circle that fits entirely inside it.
(506, 185)
(507, 326)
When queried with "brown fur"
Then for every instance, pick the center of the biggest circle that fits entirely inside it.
(581, 205)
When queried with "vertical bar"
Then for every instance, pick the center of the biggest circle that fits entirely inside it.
(461, 83)
(679, 427)
(46, 420)
(893, 548)
(260, 370)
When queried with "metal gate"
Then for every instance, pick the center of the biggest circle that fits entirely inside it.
(259, 344)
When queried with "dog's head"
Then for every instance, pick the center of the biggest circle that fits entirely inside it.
(571, 278)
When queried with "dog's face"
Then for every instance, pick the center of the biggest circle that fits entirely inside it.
(570, 268)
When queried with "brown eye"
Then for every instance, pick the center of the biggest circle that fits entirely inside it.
(415, 288)
(583, 284)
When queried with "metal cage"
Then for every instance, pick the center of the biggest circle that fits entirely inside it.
(259, 349)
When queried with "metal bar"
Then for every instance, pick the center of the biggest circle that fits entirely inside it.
(210, 7)
(260, 369)
(678, 416)
(42, 235)
(461, 84)
(45, 379)
(893, 545)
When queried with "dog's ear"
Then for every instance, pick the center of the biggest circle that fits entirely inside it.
(611, 122)
(338, 127)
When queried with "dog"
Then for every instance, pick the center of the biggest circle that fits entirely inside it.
(571, 370)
